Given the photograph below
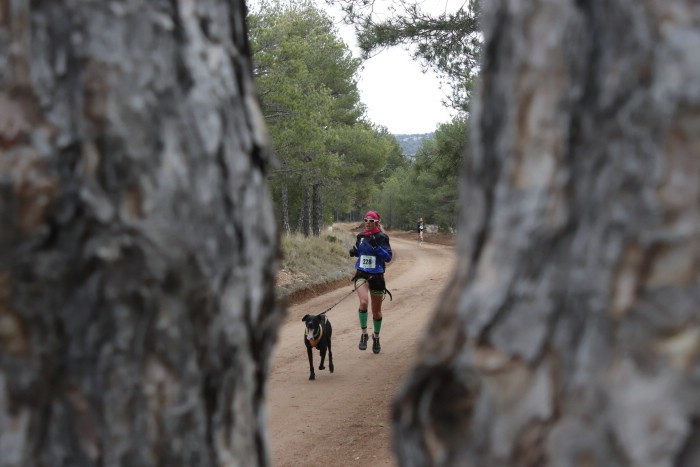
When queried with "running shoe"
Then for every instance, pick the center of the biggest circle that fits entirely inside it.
(363, 341)
(375, 344)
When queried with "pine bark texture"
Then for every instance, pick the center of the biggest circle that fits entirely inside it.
(138, 245)
(570, 335)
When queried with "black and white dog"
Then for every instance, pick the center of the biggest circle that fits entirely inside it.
(318, 335)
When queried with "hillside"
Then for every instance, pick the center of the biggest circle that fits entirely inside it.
(411, 143)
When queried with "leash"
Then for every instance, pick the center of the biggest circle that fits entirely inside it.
(331, 307)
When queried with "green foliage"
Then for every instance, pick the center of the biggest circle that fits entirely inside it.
(443, 154)
(450, 43)
(368, 156)
(429, 187)
(397, 201)
(307, 83)
(305, 75)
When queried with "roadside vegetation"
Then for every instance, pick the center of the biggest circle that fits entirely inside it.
(309, 262)
(312, 265)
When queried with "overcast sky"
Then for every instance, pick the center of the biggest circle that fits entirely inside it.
(398, 95)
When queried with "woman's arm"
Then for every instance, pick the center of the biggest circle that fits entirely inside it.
(383, 249)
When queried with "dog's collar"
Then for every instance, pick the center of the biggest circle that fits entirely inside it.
(317, 338)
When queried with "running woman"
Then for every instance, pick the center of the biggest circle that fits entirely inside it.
(373, 251)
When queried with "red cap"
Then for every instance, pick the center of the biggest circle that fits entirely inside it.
(372, 214)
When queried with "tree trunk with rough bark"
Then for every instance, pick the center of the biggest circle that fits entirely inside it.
(570, 335)
(138, 243)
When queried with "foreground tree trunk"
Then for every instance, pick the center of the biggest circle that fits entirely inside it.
(138, 240)
(571, 334)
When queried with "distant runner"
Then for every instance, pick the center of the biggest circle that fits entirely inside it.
(421, 228)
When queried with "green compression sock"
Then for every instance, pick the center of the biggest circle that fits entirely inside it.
(377, 325)
(363, 318)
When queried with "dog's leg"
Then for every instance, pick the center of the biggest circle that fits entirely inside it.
(323, 357)
(330, 357)
(312, 373)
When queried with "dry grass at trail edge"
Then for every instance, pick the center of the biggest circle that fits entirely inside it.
(312, 266)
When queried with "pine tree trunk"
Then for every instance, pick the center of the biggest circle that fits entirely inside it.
(304, 224)
(284, 201)
(317, 220)
(138, 238)
(571, 335)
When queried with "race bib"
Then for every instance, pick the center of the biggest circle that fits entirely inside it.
(368, 262)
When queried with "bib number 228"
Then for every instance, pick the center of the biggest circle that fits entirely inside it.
(368, 262)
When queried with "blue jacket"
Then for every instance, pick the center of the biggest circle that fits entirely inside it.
(372, 259)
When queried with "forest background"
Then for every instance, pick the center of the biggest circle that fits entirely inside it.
(333, 162)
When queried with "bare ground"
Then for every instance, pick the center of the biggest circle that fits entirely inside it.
(343, 418)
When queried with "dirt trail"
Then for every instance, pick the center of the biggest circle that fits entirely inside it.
(343, 418)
